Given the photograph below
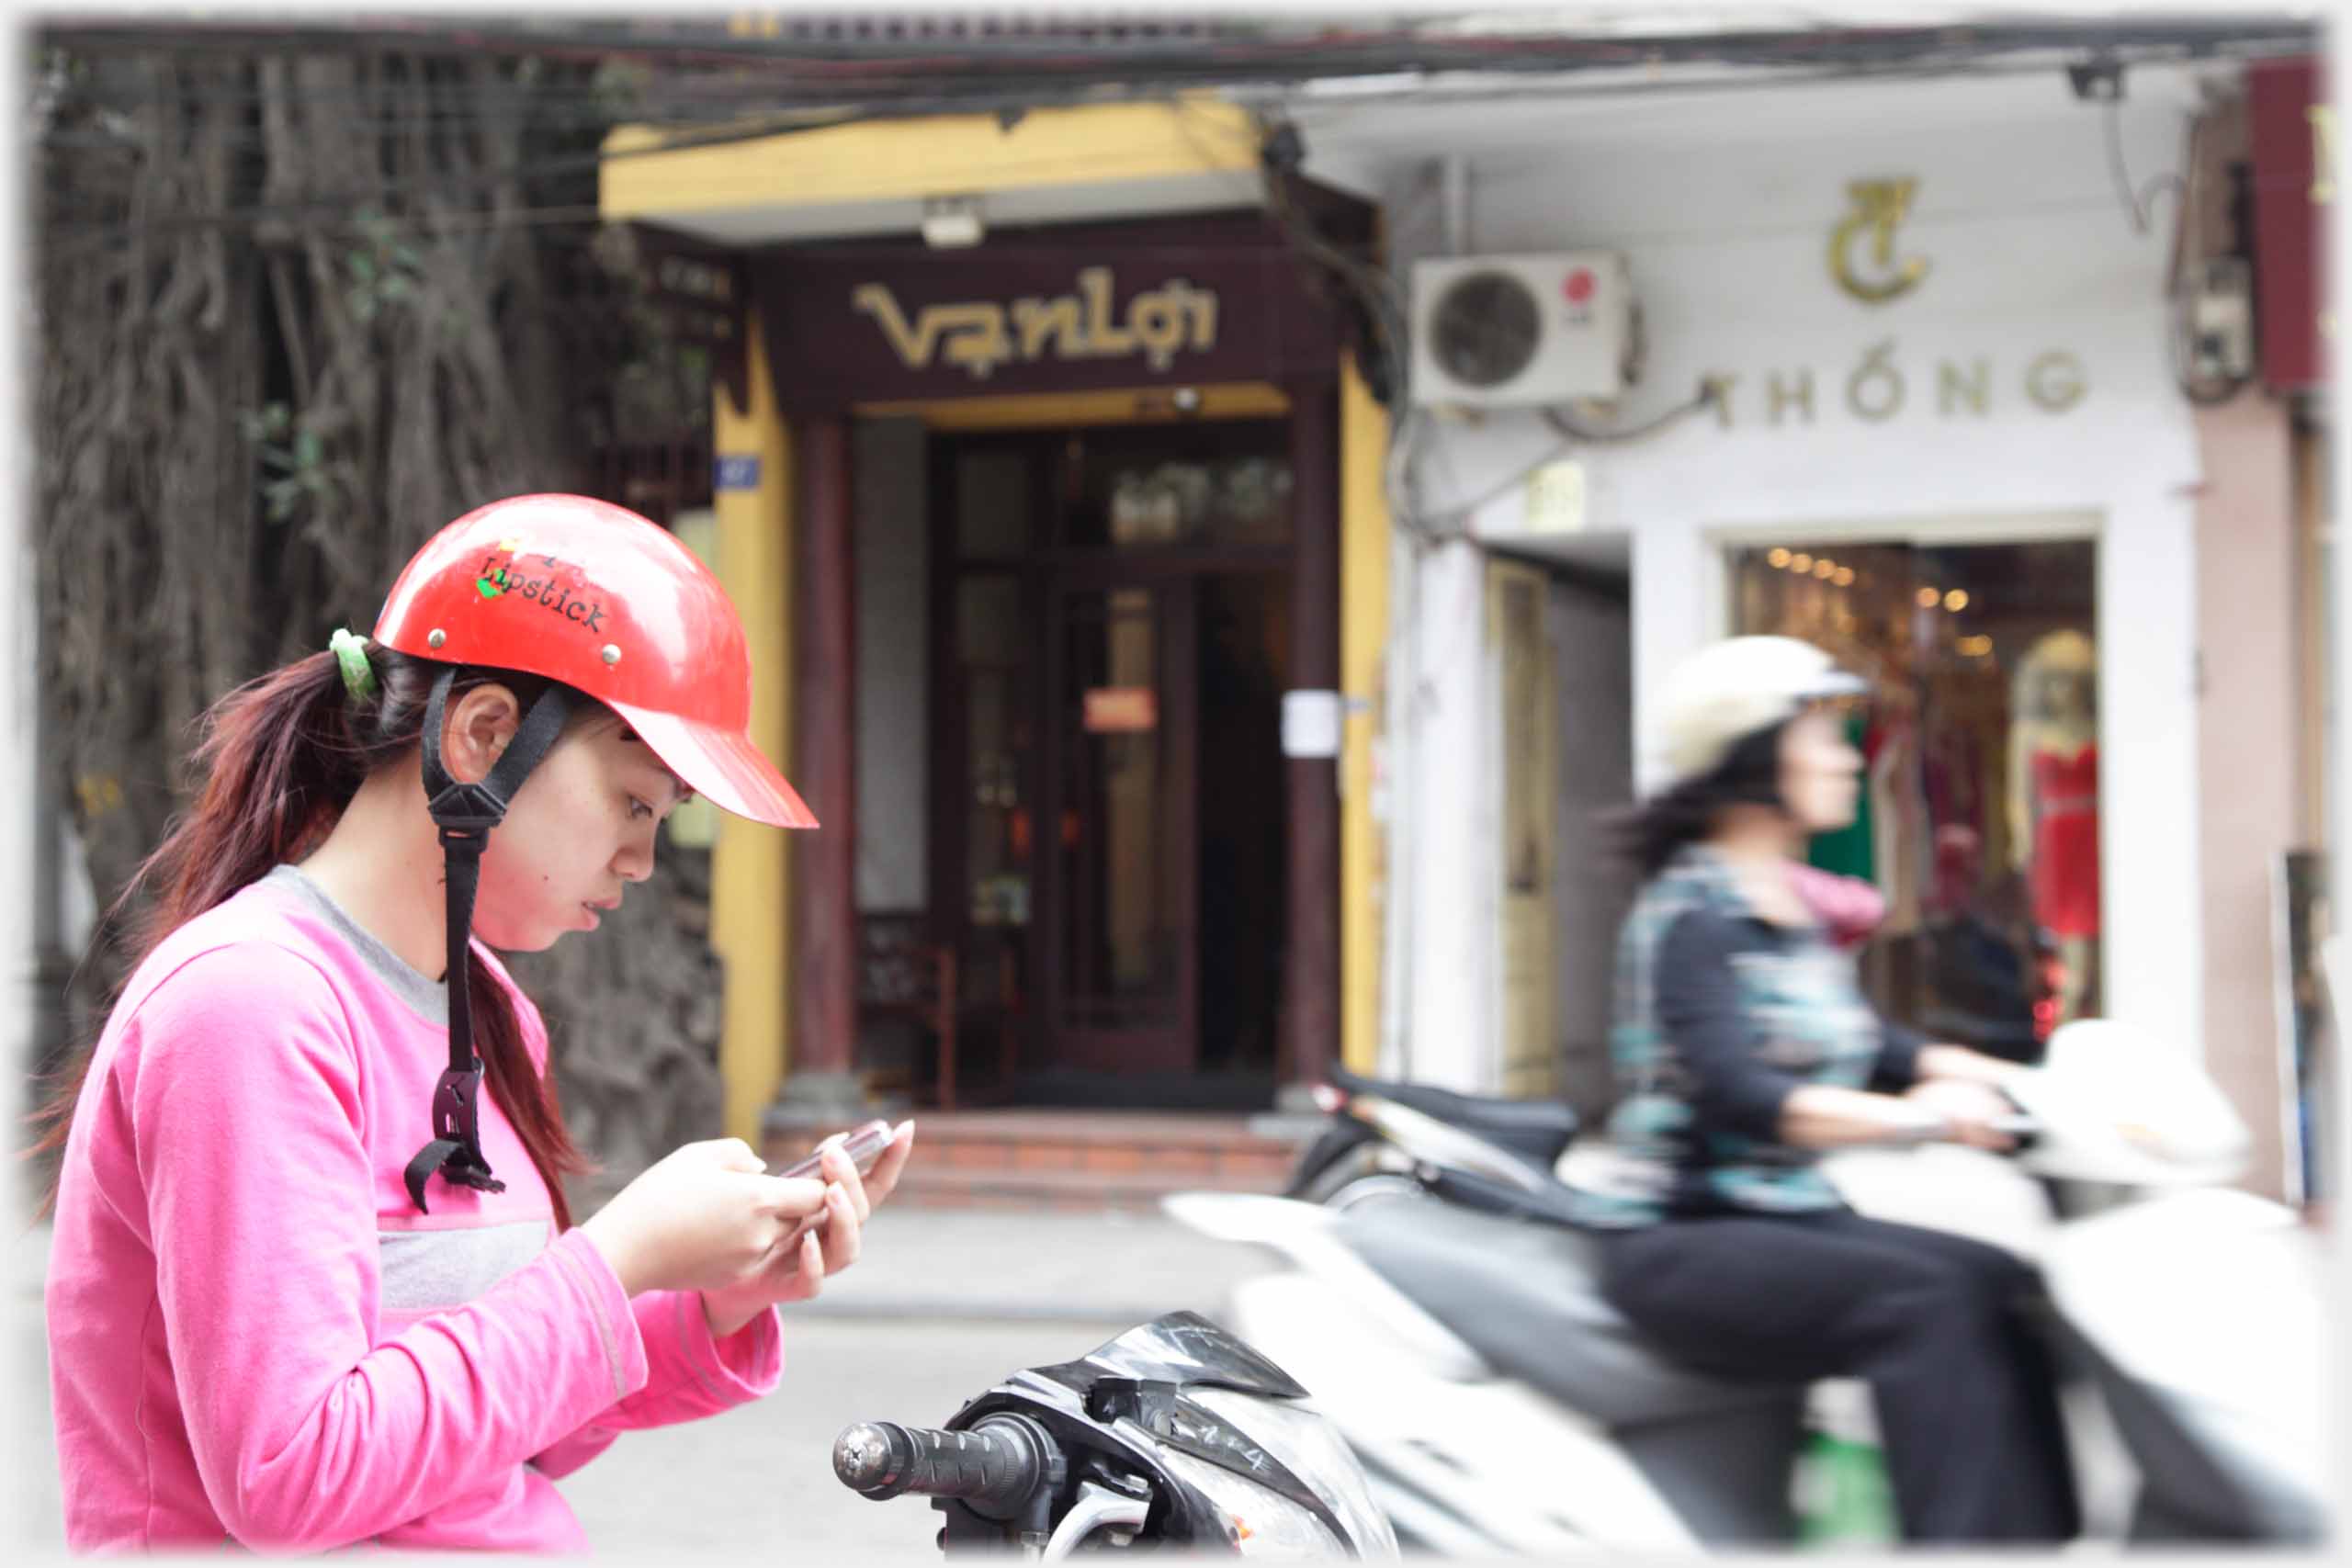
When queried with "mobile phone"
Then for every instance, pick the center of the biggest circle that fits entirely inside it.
(863, 1148)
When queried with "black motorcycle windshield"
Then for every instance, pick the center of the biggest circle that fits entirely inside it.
(1183, 1347)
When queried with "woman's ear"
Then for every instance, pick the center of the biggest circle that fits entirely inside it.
(475, 728)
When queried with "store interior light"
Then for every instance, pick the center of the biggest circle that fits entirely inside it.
(1799, 563)
(1844, 578)
(1778, 559)
(1956, 601)
(1825, 569)
(1931, 597)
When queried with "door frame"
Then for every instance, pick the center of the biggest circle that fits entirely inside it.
(1076, 1047)
(1049, 575)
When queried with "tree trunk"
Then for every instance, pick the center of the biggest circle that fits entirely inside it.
(294, 314)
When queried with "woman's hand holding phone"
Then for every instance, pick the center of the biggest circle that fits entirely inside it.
(860, 1170)
(701, 1217)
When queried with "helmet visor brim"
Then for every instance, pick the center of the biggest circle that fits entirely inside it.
(720, 765)
(1834, 685)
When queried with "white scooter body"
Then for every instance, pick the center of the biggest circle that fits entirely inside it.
(2194, 1306)
(2195, 1310)
(1467, 1461)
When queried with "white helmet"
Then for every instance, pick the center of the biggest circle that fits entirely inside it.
(1728, 691)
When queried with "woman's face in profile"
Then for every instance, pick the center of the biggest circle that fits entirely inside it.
(1820, 774)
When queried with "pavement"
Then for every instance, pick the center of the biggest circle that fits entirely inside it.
(1007, 1266)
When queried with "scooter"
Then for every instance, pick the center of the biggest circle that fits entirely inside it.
(1445, 1308)
(1175, 1433)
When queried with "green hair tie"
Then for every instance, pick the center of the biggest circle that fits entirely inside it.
(350, 650)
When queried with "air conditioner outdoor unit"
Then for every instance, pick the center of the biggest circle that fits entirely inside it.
(1515, 332)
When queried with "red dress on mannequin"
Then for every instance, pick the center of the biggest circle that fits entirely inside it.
(2066, 842)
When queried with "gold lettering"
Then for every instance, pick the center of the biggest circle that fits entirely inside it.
(1874, 391)
(1158, 321)
(1879, 206)
(1037, 319)
(1719, 386)
(913, 344)
(1201, 304)
(981, 334)
(1954, 388)
(1779, 398)
(975, 337)
(2056, 381)
(2322, 118)
(1103, 341)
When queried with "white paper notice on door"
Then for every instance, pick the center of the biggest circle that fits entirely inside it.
(1311, 723)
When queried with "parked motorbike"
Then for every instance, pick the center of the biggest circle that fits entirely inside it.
(1446, 1309)
(1175, 1433)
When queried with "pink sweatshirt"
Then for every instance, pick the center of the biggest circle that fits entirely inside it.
(253, 1336)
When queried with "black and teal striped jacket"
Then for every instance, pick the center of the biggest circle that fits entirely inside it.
(1719, 1014)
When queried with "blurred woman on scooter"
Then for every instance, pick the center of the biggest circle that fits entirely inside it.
(1745, 1051)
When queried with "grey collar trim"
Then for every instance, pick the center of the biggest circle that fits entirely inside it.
(425, 996)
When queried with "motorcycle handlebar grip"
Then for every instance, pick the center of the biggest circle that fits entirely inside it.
(994, 1467)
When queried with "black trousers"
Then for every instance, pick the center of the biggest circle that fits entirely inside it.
(1964, 1387)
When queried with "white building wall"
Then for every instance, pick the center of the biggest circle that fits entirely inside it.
(1725, 215)
(1453, 1028)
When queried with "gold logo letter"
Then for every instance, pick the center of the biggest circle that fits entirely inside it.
(1879, 206)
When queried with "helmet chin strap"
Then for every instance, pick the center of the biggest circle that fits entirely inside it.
(465, 813)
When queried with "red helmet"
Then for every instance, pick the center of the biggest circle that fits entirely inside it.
(610, 604)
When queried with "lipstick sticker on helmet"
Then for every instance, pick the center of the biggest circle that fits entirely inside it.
(555, 585)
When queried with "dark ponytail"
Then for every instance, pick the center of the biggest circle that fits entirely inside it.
(281, 756)
(1652, 833)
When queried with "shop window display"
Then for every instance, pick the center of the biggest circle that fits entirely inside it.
(1980, 809)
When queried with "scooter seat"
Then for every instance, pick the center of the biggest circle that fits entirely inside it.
(1526, 1296)
(1539, 1129)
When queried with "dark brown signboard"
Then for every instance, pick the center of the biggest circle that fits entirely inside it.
(2292, 129)
(1207, 299)
(699, 288)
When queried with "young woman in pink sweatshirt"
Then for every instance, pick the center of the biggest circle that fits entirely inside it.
(315, 1281)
